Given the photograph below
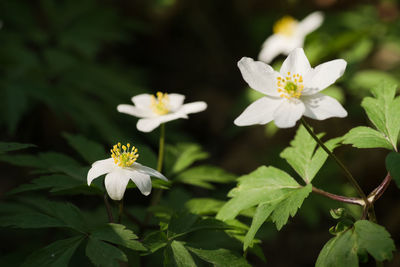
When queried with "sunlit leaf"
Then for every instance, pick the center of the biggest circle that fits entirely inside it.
(384, 111)
(366, 137)
(303, 156)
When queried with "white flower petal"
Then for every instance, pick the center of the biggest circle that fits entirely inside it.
(288, 113)
(175, 101)
(149, 124)
(135, 111)
(321, 107)
(142, 181)
(147, 170)
(193, 107)
(99, 168)
(142, 101)
(311, 23)
(323, 75)
(296, 63)
(116, 183)
(272, 47)
(259, 112)
(259, 76)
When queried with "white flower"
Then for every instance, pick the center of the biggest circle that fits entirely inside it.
(156, 110)
(121, 168)
(288, 35)
(292, 92)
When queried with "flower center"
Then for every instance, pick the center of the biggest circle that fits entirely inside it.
(160, 105)
(285, 26)
(290, 86)
(124, 156)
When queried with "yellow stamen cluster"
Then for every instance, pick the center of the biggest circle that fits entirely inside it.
(290, 86)
(160, 105)
(285, 26)
(124, 156)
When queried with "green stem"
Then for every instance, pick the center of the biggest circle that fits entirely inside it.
(161, 148)
(341, 165)
(108, 208)
(158, 192)
(120, 210)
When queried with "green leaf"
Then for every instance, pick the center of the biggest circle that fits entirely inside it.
(393, 166)
(339, 251)
(47, 214)
(202, 176)
(182, 257)
(289, 205)
(6, 146)
(118, 234)
(55, 183)
(371, 78)
(155, 240)
(384, 111)
(278, 210)
(204, 206)
(30, 221)
(262, 213)
(303, 157)
(49, 161)
(375, 239)
(88, 149)
(56, 254)
(366, 137)
(104, 254)
(183, 223)
(181, 156)
(220, 257)
(277, 195)
(367, 236)
(262, 185)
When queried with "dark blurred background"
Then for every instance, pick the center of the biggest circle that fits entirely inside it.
(65, 66)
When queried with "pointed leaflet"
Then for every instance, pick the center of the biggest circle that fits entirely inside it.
(183, 223)
(204, 206)
(119, 235)
(384, 111)
(267, 186)
(181, 256)
(393, 166)
(88, 149)
(103, 254)
(56, 254)
(46, 214)
(363, 236)
(181, 156)
(202, 176)
(262, 185)
(278, 210)
(262, 213)
(55, 182)
(6, 146)
(366, 137)
(303, 157)
(220, 257)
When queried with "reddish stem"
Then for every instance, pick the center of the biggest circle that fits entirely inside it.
(350, 200)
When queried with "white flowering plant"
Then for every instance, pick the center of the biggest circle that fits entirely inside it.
(99, 188)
